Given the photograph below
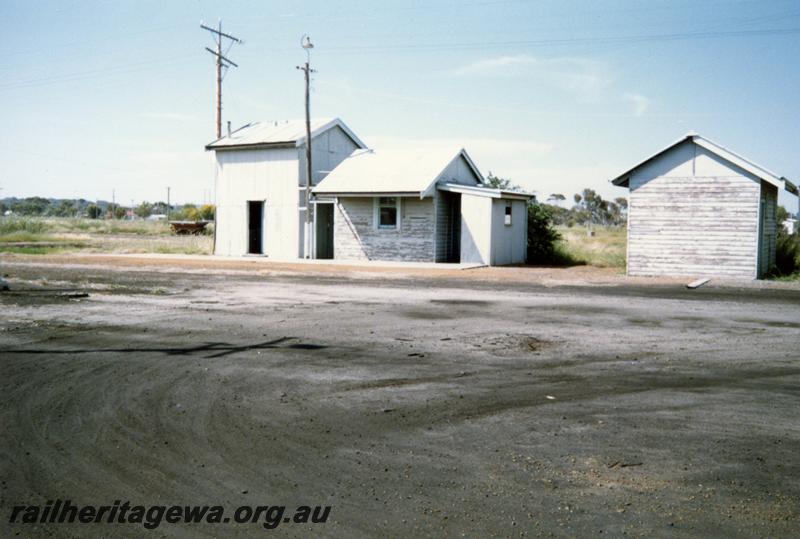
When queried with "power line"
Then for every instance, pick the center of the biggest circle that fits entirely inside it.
(432, 47)
(643, 38)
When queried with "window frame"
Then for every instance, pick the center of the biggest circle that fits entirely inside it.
(508, 213)
(377, 213)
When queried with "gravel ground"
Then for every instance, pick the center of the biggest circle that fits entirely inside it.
(415, 405)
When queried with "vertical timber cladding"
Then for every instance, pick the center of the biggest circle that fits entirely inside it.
(266, 175)
(692, 213)
(357, 238)
(448, 226)
(769, 227)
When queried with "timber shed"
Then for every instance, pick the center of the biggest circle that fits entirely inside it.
(698, 209)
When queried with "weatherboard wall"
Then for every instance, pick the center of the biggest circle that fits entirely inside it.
(693, 213)
(356, 237)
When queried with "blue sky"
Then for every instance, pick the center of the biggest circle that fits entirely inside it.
(556, 95)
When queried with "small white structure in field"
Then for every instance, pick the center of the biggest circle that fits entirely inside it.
(790, 225)
(696, 208)
(422, 206)
(260, 183)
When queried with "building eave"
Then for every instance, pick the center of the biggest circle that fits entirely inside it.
(484, 191)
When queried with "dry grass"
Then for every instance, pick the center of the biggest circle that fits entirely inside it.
(605, 248)
(30, 235)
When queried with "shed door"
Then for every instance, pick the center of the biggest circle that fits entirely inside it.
(255, 227)
(323, 213)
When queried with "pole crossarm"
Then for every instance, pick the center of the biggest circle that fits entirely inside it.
(221, 62)
(219, 33)
(221, 57)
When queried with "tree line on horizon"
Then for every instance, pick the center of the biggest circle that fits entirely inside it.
(589, 207)
(82, 208)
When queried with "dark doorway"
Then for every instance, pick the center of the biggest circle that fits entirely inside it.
(324, 232)
(453, 251)
(255, 227)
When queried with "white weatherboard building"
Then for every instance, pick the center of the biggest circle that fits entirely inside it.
(367, 205)
(260, 183)
(697, 209)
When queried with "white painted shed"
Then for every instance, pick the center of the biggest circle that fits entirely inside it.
(260, 183)
(422, 206)
(696, 208)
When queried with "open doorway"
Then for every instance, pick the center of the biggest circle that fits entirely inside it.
(255, 227)
(323, 213)
(449, 224)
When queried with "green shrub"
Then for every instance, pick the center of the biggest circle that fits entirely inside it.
(544, 242)
(787, 254)
(93, 211)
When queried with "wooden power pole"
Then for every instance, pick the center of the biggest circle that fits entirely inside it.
(221, 62)
(305, 42)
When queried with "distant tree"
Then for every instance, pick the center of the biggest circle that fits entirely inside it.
(494, 182)
(119, 212)
(556, 197)
(160, 208)
(207, 212)
(93, 211)
(591, 209)
(144, 210)
(189, 212)
(66, 208)
(31, 206)
(3, 207)
(559, 215)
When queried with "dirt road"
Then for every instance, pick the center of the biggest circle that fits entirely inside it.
(413, 407)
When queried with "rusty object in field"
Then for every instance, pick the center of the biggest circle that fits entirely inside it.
(187, 228)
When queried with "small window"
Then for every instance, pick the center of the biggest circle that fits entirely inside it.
(508, 214)
(387, 212)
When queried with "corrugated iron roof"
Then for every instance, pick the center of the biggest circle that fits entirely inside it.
(279, 132)
(389, 171)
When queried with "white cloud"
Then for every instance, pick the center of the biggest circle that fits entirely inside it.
(583, 77)
(640, 102)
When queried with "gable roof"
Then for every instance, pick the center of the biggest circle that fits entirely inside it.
(756, 170)
(279, 133)
(392, 171)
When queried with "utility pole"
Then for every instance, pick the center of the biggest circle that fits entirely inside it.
(169, 208)
(305, 42)
(221, 61)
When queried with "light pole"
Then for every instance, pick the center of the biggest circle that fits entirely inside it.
(305, 42)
